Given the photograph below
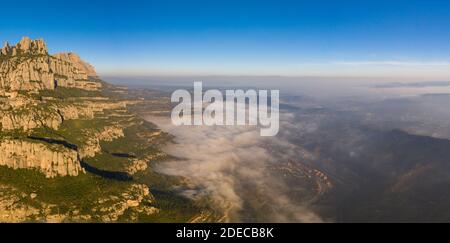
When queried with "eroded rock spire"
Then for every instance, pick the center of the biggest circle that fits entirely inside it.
(25, 46)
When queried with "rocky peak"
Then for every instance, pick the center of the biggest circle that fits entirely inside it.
(5, 50)
(28, 66)
(26, 46)
(77, 62)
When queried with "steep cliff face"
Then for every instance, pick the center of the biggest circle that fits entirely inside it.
(56, 122)
(77, 62)
(34, 102)
(30, 119)
(28, 66)
(26, 69)
(51, 159)
(26, 73)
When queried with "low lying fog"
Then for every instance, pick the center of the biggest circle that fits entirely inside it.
(232, 164)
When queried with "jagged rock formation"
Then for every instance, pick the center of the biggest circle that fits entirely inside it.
(20, 113)
(134, 199)
(77, 62)
(57, 122)
(92, 145)
(26, 119)
(49, 116)
(51, 159)
(29, 120)
(139, 165)
(26, 70)
(28, 66)
(26, 46)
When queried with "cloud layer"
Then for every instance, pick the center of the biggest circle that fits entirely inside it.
(231, 164)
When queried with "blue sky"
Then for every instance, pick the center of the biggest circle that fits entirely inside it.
(294, 38)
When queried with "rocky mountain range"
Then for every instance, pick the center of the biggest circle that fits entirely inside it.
(29, 67)
(73, 148)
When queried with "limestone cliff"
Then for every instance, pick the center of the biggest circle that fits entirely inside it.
(24, 114)
(51, 159)
(77, 62)
(25, 70)
(30, 119)
(28, 66)
(56, 120)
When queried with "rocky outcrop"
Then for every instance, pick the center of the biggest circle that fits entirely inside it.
(77, 62)
(12, 208)
(26, 46)
(19, 73)
(29, 119)
(51, 159)
(17, 206)
(24, 114)
(28, 66)
(38, 115)
(42, 72)
(110, 133)
(138, 165)
(135, 200)
(79, 111)
(92, 145)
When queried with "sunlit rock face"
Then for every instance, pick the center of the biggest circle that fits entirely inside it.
(77, 62)
(28, 66)
(26, 46)
(26, 69)
(52, 160)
